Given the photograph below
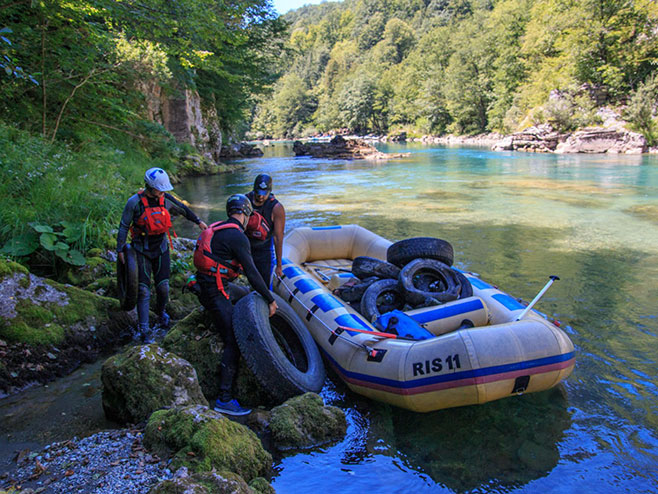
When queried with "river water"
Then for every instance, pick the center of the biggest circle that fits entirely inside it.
(515, 219)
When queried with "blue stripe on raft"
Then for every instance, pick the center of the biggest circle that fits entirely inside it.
(285, 261)
(478, 283)
(326, 302)
(351, 321)
(456, 376)
(306, 285)
(346, 275)
(445, 312)
(292, 272)
(509, 302)
(326, 228)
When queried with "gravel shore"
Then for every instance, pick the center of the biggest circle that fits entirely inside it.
(110, 462)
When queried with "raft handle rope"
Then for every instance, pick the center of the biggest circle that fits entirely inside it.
(340, 329)
(553, 278)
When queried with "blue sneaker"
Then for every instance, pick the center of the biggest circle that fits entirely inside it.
(164, 319)
(231, 408)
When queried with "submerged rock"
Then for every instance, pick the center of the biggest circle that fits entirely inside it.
(204, 440)
(144, 379)
(304, 421)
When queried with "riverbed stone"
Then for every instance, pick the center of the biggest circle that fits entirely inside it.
(144, 379)
(304, 421)
(203, 440)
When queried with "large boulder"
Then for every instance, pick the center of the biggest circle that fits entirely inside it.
(304, 421)
(603, 140)
(194, 339)
(47, 328)
(144, 379)
(203, 440)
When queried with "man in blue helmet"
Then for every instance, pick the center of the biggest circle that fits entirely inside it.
(266, 227)
(147, 217)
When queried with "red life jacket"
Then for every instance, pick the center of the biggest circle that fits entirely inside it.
(155, 220)
(257, 227)
(209, 264)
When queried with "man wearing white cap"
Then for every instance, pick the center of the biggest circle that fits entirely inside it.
(147, 217)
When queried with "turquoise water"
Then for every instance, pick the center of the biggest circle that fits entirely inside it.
(515, 219)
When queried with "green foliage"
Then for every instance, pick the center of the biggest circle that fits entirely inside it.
(641, 109)
(41, 183)
(460, 65)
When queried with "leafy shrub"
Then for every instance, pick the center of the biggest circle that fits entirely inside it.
(641, 109)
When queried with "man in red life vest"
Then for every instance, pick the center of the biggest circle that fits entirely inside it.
(266, 227)
(147, 217)
(221, 253)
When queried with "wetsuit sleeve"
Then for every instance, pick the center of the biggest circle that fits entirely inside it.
(126, 221)
(243, 254)
(177, 207)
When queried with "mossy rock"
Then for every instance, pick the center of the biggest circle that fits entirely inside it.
(304, 422)
(37, 311)
(205, 440)
(261, 486)
(196, 164)
(193, 339)
(204, 483)
(144, 379)
(9, 267)
(95, 268)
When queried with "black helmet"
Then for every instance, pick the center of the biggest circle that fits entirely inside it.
(263, 184)
(239, 203)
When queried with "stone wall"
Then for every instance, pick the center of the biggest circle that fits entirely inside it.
(186, 116)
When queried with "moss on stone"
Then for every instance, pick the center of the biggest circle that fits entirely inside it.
(304, 421)
(144, 379)
(42, 319)
(204, 440)
(192, 338)
(227, 445)
(204, 483)
(8, 267)
(262, 486)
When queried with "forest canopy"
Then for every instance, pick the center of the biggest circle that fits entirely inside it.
(461, 66)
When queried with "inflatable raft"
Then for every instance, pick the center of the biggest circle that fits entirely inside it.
(477, 351)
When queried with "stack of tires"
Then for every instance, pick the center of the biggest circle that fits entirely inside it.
(417, 273)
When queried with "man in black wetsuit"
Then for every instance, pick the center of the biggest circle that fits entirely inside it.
(266, 233)
(220, 253)
(147, 217)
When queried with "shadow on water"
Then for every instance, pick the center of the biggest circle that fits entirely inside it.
(510, 442)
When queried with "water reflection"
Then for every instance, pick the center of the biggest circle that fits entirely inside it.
(514, 219)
